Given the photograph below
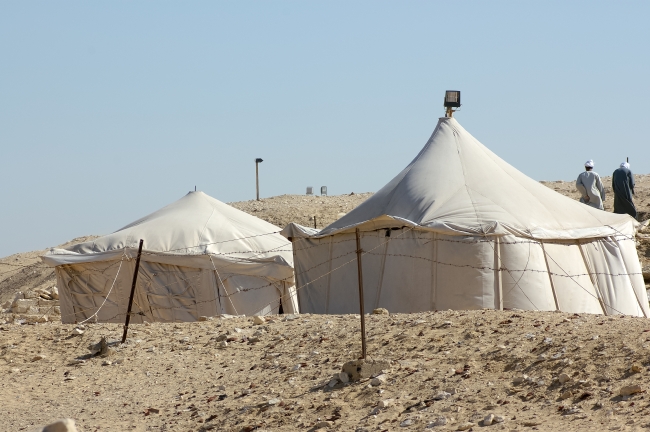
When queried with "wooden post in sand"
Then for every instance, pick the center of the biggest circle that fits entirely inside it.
(361, 311)
(135, 278)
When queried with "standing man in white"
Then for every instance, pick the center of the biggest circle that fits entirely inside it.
(590, 187)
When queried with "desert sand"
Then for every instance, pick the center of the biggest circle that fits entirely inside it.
(447, 370)
(533, 370)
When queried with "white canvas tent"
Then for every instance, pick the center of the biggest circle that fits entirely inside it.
(201, 257)
(459, 228)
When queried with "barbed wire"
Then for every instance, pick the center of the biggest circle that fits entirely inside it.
(248, 251)
(507, 270)
(109, 291)
(279, 300)
(23, 265)
(398, 237)
(516, 282)
(79, 311)
(427, 238)
(23, 268)
(281, 296)
(183, 280)
(503, 268)
(219, 242)
(241, 290)
(223, 286)
(405, 230)
(583, 288)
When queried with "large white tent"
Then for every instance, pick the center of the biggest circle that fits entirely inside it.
(201, 257)
(459, 228)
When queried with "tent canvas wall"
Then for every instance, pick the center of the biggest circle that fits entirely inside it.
(201, 257)
(459, 228)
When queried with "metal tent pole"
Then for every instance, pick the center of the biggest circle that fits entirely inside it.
(361, 311)
(135, 278)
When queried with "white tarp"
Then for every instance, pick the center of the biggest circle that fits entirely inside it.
(201, 257)
(459, 228)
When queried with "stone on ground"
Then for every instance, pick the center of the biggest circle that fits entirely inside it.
(361, 369)
(65, 425)
(630, 390)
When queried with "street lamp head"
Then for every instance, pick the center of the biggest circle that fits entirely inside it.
(452, 100)
(258, 160)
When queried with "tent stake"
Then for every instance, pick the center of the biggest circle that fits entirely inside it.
(363, 317)
(135, 278)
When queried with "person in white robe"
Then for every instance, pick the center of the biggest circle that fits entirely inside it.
(590, 187)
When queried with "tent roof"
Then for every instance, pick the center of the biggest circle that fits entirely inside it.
(456, 185)
(192, 231)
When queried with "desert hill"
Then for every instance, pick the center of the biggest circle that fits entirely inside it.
(450, 370)
(26, 272)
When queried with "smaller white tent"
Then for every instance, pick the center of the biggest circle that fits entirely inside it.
(201, 257)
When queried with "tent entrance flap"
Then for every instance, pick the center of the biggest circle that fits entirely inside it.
(550, 277)
(380, 278)
(594, 280)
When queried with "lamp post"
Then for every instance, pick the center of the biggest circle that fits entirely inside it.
(257, 176)
(452, 100)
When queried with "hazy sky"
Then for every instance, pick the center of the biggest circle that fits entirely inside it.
(111, 110)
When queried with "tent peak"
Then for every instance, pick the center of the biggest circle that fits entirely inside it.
(457, 185)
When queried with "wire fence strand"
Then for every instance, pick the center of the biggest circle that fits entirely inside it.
(192, 281)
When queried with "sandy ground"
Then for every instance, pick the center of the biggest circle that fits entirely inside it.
(451, 367)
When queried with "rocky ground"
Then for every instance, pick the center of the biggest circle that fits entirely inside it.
(26, 272)
(301, 209)
(641, 198)
(454, 370)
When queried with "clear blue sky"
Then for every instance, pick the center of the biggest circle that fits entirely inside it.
(110, 110)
